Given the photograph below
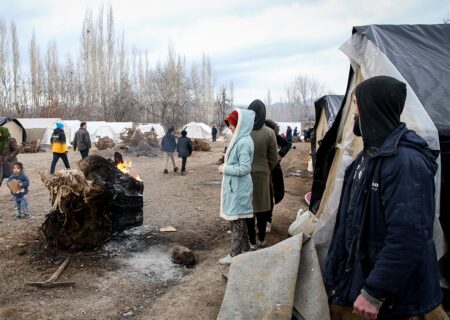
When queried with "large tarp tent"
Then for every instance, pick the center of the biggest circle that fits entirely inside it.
(16, 130)
(417, 55)
(36, 127)
(326, 109)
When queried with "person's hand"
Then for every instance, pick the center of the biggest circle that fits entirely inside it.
(362, 307)
(220, 169)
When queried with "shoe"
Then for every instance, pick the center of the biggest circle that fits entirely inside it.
(262, 244)
(165, 171)
(252, 247)
(268, 227)
(226, 259)
(183, 173)
(175, 170)
(27, 216)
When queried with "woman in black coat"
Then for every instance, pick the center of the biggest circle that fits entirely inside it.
(276, 177)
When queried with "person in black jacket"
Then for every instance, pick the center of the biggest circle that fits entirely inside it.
(276, 177)
(184, 150)
(214, 133)
(168, 146)
(382, 261)
(82, 140)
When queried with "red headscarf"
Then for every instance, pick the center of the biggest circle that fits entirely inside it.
(232, 118)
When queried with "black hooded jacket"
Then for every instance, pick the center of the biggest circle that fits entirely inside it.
(383, 236)
(260, 113)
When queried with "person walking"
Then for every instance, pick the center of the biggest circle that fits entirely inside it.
(184, 150)
(214, 133)
(8, 153)
(168, 146)
(289, 134)
(295, 132)
(82, 140)
(59, 147)
(237, 186)
(265, 159)
(382, 261)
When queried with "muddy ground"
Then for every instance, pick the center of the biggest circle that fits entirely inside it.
(131, 276)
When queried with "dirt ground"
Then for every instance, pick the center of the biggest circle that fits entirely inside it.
(131, 276)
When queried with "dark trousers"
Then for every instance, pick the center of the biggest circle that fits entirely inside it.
(84, 153)
(214, 137)
(261, 221)
(183, 164)
(56, 157)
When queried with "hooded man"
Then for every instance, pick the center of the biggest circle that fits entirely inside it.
(82, 140)
(168, 146)
(382, 259)
(8, 152)
(264, 160)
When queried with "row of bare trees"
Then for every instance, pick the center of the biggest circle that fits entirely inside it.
(106, 81)
(299, 103)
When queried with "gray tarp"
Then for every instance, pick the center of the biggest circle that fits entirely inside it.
(269, 283)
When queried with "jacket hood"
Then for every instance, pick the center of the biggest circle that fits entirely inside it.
(260, 113)
(245, 123)
(380, 103)
(244, 128)
(403, 137)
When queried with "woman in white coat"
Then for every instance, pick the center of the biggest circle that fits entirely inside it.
(237, 185)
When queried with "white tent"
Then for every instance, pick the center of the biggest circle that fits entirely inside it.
(104, 131)
(16, 130)
(160, 132)
(198, 130)
(36, 127)
(107, 129)
(70, 127)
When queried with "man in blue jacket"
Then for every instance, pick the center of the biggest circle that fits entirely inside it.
(382, 262)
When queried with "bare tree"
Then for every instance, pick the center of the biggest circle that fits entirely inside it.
(223, 107)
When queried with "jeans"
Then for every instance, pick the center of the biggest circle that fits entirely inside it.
(21, 205)
(56, 157)
(183, 164)
(84, 153)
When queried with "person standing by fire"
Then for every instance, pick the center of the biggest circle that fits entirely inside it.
(59, 147)
(168, 146)
(237, 187)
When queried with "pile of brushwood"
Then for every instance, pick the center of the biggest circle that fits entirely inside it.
(32, 147)
(91, 204)
(142, 144)
(105, 143)
(200, 145)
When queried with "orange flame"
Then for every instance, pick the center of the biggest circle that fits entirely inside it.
(125, 168)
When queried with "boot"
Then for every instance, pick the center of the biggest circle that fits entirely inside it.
(175, 170)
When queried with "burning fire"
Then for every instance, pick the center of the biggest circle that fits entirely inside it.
(125, 168)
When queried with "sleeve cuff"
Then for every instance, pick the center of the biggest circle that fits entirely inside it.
(374, 301)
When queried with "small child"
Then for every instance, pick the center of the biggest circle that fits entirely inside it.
(21, 195)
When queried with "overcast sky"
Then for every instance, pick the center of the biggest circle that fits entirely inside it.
(260, 45)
